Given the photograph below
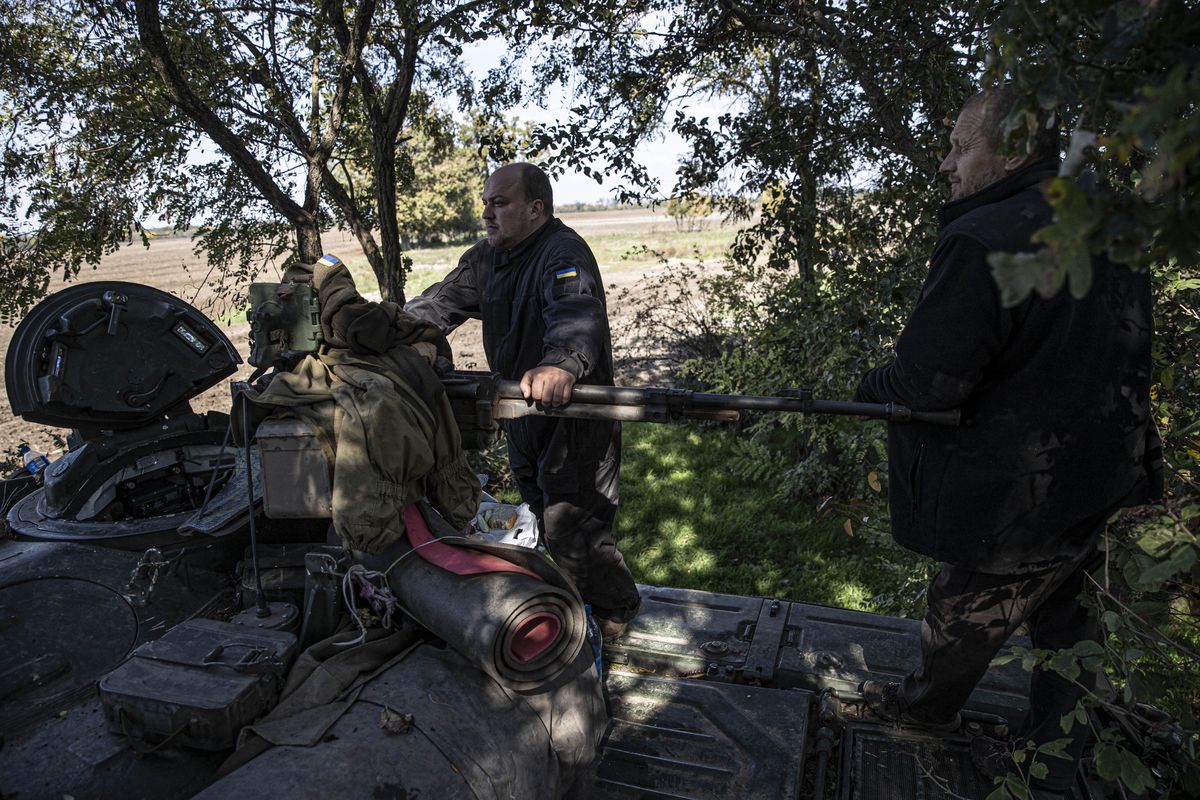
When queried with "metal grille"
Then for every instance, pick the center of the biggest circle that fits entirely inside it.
(883, 764)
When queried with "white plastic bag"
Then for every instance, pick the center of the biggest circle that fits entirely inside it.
(506, 523)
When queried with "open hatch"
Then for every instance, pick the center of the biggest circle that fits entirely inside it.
(118, 363)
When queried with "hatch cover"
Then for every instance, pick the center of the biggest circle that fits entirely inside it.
(60, 633)
(112, 355)
(700, 740)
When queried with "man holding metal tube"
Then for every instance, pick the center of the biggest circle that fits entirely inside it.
(536, 287)
(1055, 436)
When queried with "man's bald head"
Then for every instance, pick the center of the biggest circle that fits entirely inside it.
(534, 183)
(517, 200)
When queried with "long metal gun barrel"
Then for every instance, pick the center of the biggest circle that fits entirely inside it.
(493, 398)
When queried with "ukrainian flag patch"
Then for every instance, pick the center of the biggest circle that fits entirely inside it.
(563, 274)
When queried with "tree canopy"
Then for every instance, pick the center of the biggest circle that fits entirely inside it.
(236, 118)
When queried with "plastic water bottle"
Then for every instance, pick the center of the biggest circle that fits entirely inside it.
(596, 640)
(35, 460)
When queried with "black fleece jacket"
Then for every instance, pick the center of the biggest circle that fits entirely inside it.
(1054, 395)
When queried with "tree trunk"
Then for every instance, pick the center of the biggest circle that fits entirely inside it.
(308, 242)
(308, 232)
(391, 273)
(358, 224)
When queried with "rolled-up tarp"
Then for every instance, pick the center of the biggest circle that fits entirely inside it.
(507, 609)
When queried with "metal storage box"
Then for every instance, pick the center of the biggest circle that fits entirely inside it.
(295, 479)
(198, 685)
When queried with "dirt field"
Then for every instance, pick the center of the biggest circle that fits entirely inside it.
(170, 265)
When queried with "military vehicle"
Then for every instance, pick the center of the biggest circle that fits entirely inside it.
(132, 553)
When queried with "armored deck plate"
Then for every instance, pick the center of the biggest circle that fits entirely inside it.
(686, 739)
(788, 645)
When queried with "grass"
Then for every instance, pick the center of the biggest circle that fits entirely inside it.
(622, 251)
(687, 520)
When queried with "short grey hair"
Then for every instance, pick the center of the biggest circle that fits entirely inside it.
(995, 103)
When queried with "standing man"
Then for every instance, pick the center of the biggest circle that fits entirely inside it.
(1055, 436)
(536, 286)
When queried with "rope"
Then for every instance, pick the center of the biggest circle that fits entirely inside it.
(372, 585)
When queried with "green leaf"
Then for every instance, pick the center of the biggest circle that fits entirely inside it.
(1157, 541)
(1067, 722)
(1056, 748)
(1078, 266)
(1146, 608)
(1088, 647)
(1065, 664)
(1134, 773)
(1038, 770)
(1180, 561)
(1181, 285)
(1015, 274)
(1016, 787)
(1108, 761)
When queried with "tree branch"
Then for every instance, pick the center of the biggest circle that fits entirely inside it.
(350, 47)
(287, 122)
(155, 44)
(900, 138)
(465, 8)
(349, 206)
(395, 109)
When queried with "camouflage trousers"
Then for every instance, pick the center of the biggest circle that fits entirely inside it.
(972, 614)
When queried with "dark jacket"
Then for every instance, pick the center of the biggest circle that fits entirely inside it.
(1054, 395)
(541, 302)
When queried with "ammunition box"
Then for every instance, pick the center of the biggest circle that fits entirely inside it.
(198, 685)
(295, 471)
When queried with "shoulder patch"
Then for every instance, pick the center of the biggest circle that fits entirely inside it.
(565, 273)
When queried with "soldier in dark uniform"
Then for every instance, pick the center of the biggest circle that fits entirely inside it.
(536, 286)
(1055, 436)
